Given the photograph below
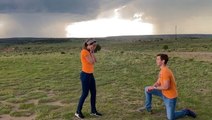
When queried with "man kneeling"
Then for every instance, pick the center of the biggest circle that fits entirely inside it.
(165, 87)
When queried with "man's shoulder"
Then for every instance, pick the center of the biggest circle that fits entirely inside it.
(166, 70)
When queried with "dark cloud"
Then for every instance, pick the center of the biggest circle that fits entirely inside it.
(164, 9)
(49, 17)
(36, 24)
(49, 6)
(165, 14)
(156, 8)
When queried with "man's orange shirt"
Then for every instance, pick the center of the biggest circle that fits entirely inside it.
(166, 74)
(86, 66)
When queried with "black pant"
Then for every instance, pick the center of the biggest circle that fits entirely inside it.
(88, 83)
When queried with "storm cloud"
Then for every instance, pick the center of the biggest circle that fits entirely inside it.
(48, 18)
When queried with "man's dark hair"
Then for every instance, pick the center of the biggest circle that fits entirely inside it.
(164, 57)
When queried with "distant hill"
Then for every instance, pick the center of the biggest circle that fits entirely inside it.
(32, 40)
(153, 37)
(26, 40)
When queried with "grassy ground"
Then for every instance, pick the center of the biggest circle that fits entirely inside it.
(41, 81)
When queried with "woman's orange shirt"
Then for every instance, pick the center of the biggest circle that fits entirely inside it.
(86, 66)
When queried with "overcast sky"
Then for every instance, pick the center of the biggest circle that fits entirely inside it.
(49, 18)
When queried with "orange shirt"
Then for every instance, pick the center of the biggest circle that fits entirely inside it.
(166, 74)
(86, 66)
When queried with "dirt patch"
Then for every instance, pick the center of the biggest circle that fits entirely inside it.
(15, 106)
(8, 49)
(8, 117)
(33, 101)
(200, 56)
(57, 103)
(203, 91)
(50, 93)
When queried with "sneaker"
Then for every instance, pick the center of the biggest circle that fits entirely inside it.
(79, 115)
(96, 114)
(190, 113)
(144, 109)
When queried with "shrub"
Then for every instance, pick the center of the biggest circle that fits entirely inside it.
(165, 47)
(63, 53)
(98, 48)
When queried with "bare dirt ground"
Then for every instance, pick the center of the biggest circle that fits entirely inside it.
(200, 56)
(8, 117)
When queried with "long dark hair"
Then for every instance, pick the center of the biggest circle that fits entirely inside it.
(85, 43)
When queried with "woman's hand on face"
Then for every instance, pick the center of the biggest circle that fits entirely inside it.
(94, 46)
(92, 49)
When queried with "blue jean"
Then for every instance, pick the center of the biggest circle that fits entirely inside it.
(170, 104)
(88, 84)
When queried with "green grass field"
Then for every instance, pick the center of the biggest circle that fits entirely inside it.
(41, 81)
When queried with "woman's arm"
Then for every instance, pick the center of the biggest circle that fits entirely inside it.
(93, 57)
(92, 53)
(90, 59)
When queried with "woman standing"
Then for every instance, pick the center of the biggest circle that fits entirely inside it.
(87, 79)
